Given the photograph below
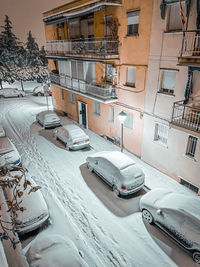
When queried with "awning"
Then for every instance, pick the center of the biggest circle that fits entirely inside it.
(80, 10)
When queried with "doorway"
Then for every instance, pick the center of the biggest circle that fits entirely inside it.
(82, 114)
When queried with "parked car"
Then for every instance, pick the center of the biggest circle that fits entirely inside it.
(72, 136)
(35, 212)
(2, 131)
(54, 250)
(40, 91)
(8, 152)
(177, 215)
(118, 170)
(48, 119)
(11, 92)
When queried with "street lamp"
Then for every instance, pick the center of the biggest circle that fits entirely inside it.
(122, 117)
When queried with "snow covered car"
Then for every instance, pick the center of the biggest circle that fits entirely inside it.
(11, 92)
(48, 119)
(54, 250)
(118, 170)
(40, 91)
(2, 132)
(72, 136)
(8, 152)
(176, 214)
(35, 212)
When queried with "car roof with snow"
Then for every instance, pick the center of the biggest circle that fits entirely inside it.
(175, 201)
(116, 158)
(5, 145)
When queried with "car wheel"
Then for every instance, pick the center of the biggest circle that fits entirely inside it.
(39, 94)
(147, 216)
(20, 95)
(90, 168)
(196, 256)
(115, 190)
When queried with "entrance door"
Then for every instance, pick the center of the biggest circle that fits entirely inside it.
(82, 113)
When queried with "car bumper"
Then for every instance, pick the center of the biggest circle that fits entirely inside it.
(31, 226)
(129, 192)
(79, 146)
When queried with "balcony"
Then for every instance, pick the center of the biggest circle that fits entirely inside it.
(103, 93)
(190, 50)
(100, 48)
(186, 116)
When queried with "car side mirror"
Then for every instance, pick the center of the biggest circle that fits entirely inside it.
(159, 212)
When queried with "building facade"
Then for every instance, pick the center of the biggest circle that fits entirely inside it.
(172, 111)
(98, 58)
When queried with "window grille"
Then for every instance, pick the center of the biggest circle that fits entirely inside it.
(133, 22)
(161, 133)
(130, 76)
(168, 81)
(111, 114)
(96, 108)
(191, 146)
(175, 23)
(71, 96)
(129, 121)
(62, 94)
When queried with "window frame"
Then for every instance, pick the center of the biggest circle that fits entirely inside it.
(133, 32)
(96, 108)
(188, 152)
(166, 91)
(158, 138)
(127, 83)
(71, 98)
(127, 121)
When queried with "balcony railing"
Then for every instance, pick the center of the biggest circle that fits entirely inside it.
(101, 91)
(186, 116)
(98, 47)
(190, 44)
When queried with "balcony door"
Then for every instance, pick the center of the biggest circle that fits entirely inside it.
(82, 113)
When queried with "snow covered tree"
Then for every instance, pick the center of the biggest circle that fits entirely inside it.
(11, 51)
(32, 52)
(43, 58)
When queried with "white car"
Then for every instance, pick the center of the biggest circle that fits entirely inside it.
(8, 152)
(11, 92)
(2, 131)
(72, 136)
(176, 214)
(48, 119)
(118, 170)
(54, 251)
(35, 212)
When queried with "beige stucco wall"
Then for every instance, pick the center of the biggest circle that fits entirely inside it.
(164, 52)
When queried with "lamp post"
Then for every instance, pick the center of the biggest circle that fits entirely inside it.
(122, 117)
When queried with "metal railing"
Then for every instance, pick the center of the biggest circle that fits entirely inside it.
(105, 91)
(99, 46)
(190, 44)
(186, 116)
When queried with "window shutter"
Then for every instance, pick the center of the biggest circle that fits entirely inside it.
(130, 76)
(168, 81)
(133, 17)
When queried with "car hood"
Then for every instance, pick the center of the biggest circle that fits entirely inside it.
(153, 196)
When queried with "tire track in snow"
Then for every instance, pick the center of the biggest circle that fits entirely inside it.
(85, 222)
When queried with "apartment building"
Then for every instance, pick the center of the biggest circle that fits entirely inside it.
(98, 58)
(171, 136)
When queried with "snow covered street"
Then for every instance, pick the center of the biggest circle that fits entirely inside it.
(108, 230)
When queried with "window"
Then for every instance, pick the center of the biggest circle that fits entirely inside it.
(129, 121)
(168, 81)
(71, 97)
(174, 23)
(108, 72)
(130, 76)
(60, 27)
(161, 133)
(62, 94)
(191, 146)
(133, 22)
(74, 31)
(96, 108)
(107, 26)
(111, 119)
